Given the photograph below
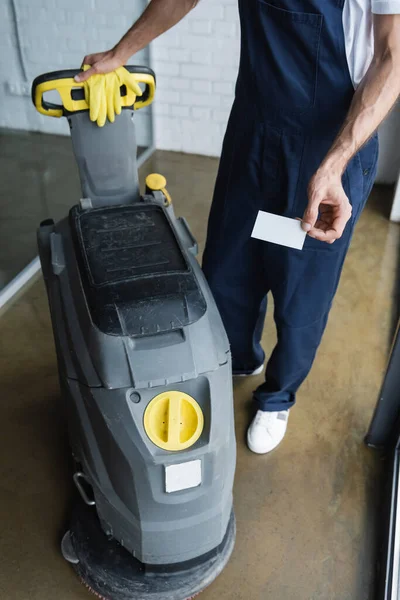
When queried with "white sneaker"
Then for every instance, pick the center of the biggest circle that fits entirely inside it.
(267, 430)
(257, 371)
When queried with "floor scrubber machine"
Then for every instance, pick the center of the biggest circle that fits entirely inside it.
(145, 369)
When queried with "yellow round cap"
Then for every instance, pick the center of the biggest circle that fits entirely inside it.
(173, 421)
(155, 181)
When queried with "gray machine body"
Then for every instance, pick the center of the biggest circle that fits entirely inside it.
(119, 344)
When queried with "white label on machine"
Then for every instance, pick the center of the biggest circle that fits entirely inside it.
(279, 230)
(183, 476)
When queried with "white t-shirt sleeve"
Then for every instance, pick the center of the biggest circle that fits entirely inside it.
(386, 7)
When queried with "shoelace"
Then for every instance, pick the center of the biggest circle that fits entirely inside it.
(265, 418)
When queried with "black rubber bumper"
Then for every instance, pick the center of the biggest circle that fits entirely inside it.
(112, 573)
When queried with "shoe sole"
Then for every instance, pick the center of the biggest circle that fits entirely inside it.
(257, 371)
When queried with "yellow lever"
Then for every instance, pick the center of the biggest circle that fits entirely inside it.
(157, 183)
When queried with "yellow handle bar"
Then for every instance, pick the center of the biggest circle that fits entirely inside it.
(72, 95)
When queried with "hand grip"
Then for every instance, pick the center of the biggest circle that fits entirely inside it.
(72, 93)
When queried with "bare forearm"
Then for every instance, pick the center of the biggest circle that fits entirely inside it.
(159, 16)
(372, 101)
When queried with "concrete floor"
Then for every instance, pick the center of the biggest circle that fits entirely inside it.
(307, 514)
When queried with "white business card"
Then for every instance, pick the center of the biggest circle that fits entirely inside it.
(279, 230)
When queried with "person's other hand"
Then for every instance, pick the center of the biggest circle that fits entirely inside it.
(328, 207)
(100, 63)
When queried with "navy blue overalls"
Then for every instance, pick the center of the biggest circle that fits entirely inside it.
(292, 95)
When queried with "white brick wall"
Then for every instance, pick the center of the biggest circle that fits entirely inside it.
(196, 65)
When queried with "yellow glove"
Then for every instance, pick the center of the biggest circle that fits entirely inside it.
(102, 93)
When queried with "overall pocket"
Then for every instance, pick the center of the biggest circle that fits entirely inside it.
(368, 163)
(359, 177)
(288, 47)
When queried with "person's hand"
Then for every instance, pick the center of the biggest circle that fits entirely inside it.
(100, 63)
(328, 207)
